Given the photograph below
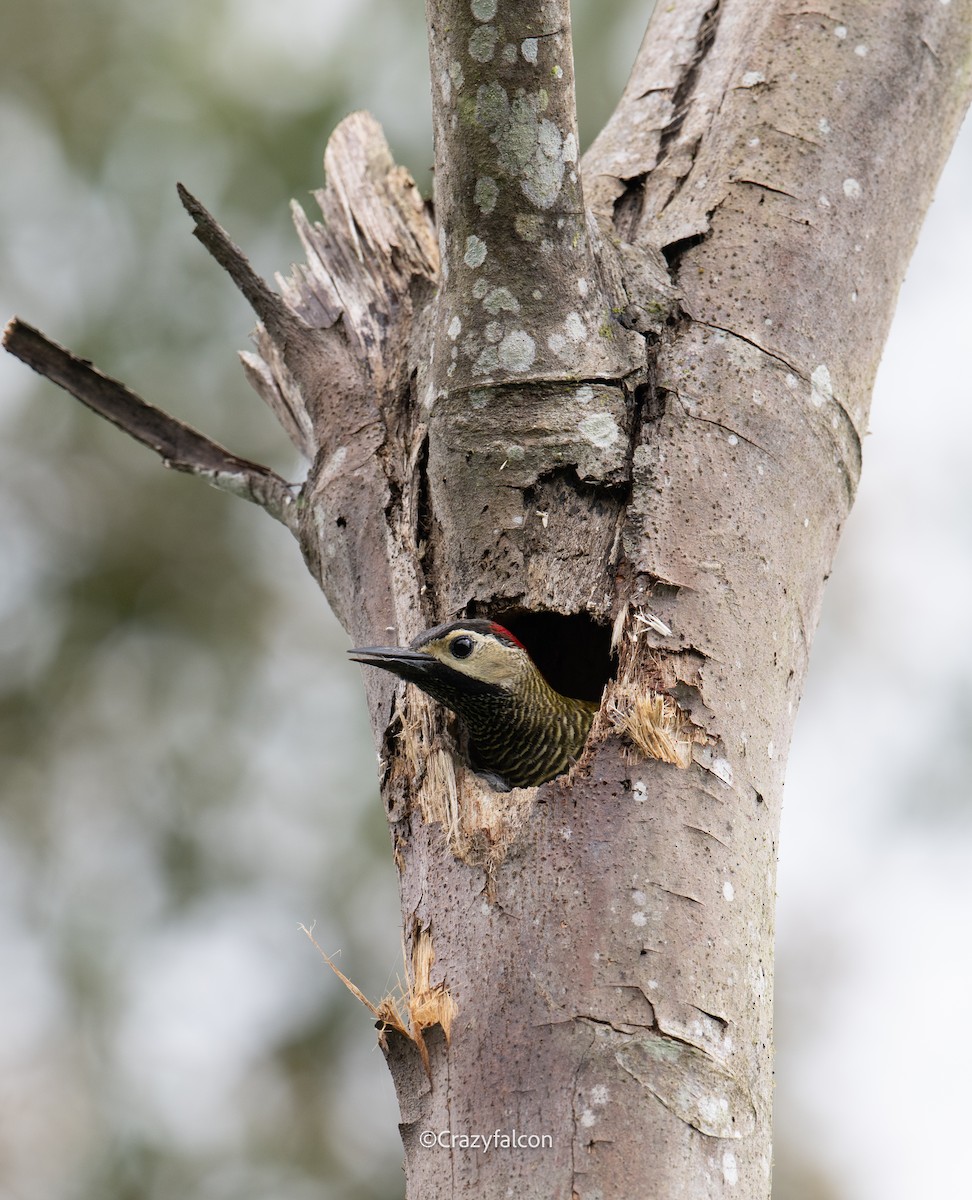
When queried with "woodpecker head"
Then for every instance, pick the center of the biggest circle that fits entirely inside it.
(519, 731)
(462, 665)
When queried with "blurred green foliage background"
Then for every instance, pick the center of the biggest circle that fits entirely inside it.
(185, 765)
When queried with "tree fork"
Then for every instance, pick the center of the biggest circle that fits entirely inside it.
(645, 411)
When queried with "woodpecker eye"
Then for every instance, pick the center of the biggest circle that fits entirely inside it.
(461, 647)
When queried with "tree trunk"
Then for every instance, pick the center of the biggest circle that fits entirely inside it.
(626, 421)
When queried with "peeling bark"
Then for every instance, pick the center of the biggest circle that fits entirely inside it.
(635, 391)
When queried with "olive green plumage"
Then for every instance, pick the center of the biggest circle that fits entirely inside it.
(519, 732)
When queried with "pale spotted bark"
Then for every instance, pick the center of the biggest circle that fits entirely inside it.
(634, 389)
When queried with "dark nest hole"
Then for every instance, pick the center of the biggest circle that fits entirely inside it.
(572, 652)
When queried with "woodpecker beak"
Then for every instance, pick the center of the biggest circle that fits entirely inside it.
(407, 664)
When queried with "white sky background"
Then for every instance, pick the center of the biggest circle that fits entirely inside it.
(875, 885)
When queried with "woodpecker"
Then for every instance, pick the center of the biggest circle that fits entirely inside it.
(518, 731)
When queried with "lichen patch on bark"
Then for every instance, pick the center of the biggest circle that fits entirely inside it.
(691, 1084)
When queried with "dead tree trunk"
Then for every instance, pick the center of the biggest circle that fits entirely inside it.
(618, 404)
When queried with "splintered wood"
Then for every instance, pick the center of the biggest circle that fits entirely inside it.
(418, 1004)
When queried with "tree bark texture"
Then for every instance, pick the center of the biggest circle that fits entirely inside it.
(633, 388)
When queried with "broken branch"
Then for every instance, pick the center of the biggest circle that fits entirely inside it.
(179, 445)
(280, 321)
